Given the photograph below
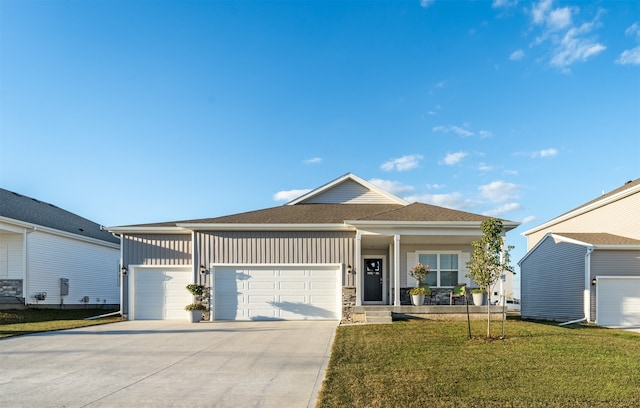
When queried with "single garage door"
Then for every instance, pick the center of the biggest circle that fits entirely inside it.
(277, 292)
(159, 293)
(618, 301)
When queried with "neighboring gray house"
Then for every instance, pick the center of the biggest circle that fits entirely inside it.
(50, 257)
(585, 264)
(292, 261)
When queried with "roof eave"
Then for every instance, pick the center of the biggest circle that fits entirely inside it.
(148, 230)
(507, 226)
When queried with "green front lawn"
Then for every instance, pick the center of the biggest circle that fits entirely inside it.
(433, 364)
(18, 322)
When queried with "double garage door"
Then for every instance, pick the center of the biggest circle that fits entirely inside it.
(240, 292)
(277, 292)
(618, 301)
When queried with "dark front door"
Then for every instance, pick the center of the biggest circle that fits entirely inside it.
(373, 280)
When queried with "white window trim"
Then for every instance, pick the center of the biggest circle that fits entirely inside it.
(437, 270)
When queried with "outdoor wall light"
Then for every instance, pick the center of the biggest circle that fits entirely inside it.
(123, 270)
(593, 282)
(203, 270)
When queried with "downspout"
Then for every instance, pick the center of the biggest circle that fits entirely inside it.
(587, 283)
(587, 289)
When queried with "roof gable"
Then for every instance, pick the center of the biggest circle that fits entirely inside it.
(348, 189)
(622, 192)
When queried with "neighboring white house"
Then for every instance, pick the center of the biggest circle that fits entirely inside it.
(50, 257)
(585, 263)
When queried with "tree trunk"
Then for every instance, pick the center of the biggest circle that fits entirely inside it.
(488, 315)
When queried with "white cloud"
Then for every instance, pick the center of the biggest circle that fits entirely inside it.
(452, 200)
(545, 153)
(426, 3)
(289, 195)
(570, 43)
(504, 3)
(559, 18)
(499, 191)
(454, 158)
(503, 209)
(516, 55)
(484, 167)
(573, 47)
(631, 56)
(528, 219)
(402, 163)
(485, 133)
(394, 187)
(315, 160)
(633, 30)
(540, 10)
(455, 129)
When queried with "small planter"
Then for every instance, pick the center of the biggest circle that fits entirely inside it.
(417, 300)
(478, 298)
(194, 316)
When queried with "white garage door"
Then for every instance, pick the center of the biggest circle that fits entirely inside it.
(277, 292)
(159, 293)
(618, 301)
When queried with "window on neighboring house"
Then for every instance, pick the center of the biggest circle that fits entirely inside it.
(444, 268)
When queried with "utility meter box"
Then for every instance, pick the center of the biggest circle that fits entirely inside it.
(64, 286)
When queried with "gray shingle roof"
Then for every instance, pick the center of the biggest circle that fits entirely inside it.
(599, 238)
(26, 209)
(335, 214)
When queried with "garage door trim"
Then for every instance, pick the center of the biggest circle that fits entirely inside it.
(337, 267)
(133, 269)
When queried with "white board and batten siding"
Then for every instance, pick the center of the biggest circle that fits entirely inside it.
(92, 270)
(159, 292)
(277, 292)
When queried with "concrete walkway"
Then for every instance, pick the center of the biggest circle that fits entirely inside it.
(168, 364)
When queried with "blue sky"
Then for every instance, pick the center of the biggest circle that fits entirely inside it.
(135, 112)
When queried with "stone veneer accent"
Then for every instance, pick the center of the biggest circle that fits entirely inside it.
(11, 287)
(348, 302)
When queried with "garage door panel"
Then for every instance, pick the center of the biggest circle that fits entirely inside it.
(258, 285)
(291, 293)
(289, 285)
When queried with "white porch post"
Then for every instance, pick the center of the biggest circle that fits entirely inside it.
(358, 269)
(396, 270)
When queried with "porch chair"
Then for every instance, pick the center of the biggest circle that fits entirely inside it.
(458, 291)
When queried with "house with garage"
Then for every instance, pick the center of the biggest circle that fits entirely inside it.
(296, 261)
(50, 257)
(584, 265)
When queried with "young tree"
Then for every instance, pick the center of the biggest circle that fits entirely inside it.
(489, 260)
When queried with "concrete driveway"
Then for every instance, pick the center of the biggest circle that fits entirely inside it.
(168, 364)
